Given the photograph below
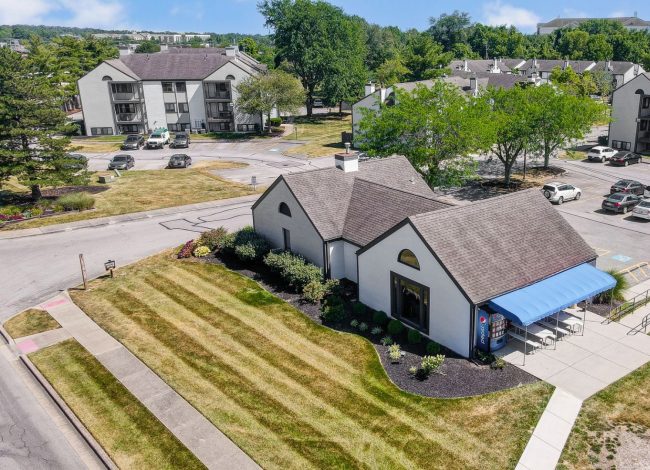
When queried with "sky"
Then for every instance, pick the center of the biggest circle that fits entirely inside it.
(241, 16)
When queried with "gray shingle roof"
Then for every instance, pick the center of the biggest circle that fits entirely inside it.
(545, 65)
(562, 22)
(479, 65)
(501, 244)
(616, 67)
(325, 194)
(121, 66)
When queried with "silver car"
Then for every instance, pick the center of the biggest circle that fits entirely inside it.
(560, 192)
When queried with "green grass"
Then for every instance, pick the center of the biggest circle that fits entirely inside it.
(323, 133)
(624, 403)
(30, 322)
(130, 434)
(144, 190)
(289, 392)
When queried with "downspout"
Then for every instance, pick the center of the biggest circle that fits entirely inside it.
(472, 330)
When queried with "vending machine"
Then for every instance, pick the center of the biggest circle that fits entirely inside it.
(491, 330)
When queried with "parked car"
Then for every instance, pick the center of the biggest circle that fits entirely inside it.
(642, 210)
(76, 162)
(158, 138)
(625, 158)
(600, 153)
(181, 140)
(133, 142)
(560, 192)
(627, 186)
(179, 160)
(620, 202)
(318, 103)
(121, 162)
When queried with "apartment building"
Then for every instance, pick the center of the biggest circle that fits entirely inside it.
(632, 23)
(630, 125)
(181, 89)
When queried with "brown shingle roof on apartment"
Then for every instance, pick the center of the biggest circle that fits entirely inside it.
(502, 244)
(325, 194)
(165, 66)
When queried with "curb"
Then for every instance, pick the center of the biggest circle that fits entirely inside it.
(99, 452)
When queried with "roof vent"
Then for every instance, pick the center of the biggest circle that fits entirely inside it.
(347, 161)
(231, 51)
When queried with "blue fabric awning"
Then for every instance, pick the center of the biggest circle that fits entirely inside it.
(544, 298)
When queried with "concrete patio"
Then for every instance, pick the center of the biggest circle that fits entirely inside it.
(584, 364)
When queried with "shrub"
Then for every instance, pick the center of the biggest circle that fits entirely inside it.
(380, 318)
(358, 309)
(333, 313)
(354, 323)
(76, 201)
(387, 341)
(295, 270)
(433, 348)
(617, 292)
(376, 331)
(275, 121)
(395, 327)
(202, 251)
(10, 210)
(394, 353)
(213, 239)
(186, 250)
(413, 370)
(314, 292)
(248, 246)
(432, 363)
(36, 212)
(414, 336)
(498, 363)
(421, 374)
(363, 326)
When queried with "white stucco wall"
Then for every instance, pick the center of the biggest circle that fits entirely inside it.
(449, 310)
(155, 104)
(625, 110)
(196, 102)
(350, 261)
(240, 74)
(96, 98)
(336, 254)
(269, 223)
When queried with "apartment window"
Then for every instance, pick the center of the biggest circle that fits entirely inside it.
(286, 237)
(101, 130)
(410, 302)
(179, 127)
(168, 87)
(230, 77)
(122, 87)
(621, 145)
(219, 110)
(170, 107)
(183, 108)
(121, 108)
(646, 102)
(644, 125)
(180, 86)
(129, 129)
(248, 127)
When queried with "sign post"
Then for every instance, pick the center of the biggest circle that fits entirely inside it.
(83, 270)
(109, 266)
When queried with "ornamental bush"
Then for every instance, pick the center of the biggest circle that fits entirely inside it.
(363, 327)
(432, 363)
(314, 292)
(186, 250)
(76, 201)
(202, 251)
(358, 308)
(333, 313)
(394, 353)
(433, 348)
(296, 271)
(414, 336)
(275, 121)
(214, 239)
(380, 318)
(395, 327)
(376, 331)
(248, 246)
(386, 341)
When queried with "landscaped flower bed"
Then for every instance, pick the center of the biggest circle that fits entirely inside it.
(421, 366)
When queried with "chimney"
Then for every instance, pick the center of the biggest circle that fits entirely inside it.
(465, 67)
(347, 161)
(495, 66)
(473, 85)
(566, 65)
(369, 88)
(231, 51)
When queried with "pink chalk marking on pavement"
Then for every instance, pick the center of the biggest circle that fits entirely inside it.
(27, 346)
(54, 303)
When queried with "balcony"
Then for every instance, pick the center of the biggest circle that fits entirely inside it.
(128, 117)
(644, 113)
(126, 96)
(217, 95)
(220, 116)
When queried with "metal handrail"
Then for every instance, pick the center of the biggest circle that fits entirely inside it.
(629, 306)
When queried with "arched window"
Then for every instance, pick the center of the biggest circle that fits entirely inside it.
(284, 209)
(408, 258)
(230, 77)
(107, 78)
(390, 100)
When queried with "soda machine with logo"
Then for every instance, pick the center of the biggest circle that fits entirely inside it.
(491, 330)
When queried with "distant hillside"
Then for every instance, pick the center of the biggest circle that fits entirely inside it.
(21, 31)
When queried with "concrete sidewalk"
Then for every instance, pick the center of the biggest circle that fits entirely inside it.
(101, 221)
(198, 434)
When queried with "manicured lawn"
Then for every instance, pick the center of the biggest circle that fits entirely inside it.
(128, 432)
(289, 392)
(619, 414)
(30, 322)
(100, 144)
(323, 134)
(143, 190)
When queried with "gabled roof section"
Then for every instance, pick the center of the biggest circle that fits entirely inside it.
(122, 67)
(375, 208)
(325, 194)
(501, 244)
(616, 67)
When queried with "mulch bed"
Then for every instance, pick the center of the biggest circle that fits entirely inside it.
(601, 309)
(57, 192)
(458, 376)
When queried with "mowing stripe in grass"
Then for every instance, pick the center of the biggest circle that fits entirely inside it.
(327, 404)
(360, 407)
(321, 451)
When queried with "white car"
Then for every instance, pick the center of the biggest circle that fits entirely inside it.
(600, 153)
(560, 192)
(642, 210)
(158, 138)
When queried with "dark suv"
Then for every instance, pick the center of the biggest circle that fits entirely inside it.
(133, 142)
(627, 187)
(181, 140)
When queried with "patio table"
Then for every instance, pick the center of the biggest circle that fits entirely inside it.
(539, 332)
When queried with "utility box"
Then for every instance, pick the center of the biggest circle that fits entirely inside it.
(106, 179)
